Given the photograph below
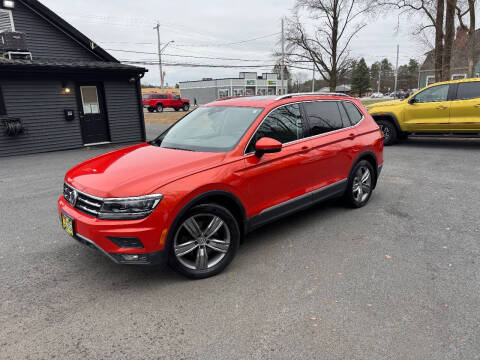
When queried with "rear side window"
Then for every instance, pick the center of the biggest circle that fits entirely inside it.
(323, 116)
(3, 110)
(159, 96)
(468, 90)
(283, 124)
(353, 113)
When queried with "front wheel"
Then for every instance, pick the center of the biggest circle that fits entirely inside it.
(205, 241)
(186, 107)
(360, 184)
(389, 132)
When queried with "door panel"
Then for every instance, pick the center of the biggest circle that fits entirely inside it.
(465, 110)
(92, 115)
(277, 178)
(430, 111)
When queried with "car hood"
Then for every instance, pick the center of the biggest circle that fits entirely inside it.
(137, 170)
(384, 104)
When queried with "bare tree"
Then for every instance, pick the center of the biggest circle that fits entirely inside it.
(471, 41)
(336, 23)
(434, 12)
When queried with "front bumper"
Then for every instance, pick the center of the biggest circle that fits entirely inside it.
(97, 234)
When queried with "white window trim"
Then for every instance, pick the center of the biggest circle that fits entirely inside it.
(429, 77)
(454, 75)
(12, 24)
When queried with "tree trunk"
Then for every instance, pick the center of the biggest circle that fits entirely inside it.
(439, 40)
(471, 42)
(449, 38)
(333, 75)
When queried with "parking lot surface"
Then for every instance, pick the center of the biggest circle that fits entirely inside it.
(398, 279)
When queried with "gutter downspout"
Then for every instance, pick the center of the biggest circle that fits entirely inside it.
(140, 106)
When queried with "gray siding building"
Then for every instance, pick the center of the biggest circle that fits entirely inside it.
(247, 84)
(58, 89)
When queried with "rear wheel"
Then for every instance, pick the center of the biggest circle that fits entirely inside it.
(389, 132)
(205, 241)
(186, 107)
(360, 184)
(176, 109)
(159, 108)
(150, 110)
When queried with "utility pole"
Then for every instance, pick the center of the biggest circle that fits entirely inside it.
(379, 75)
(313, 78)
(283, 60)
(396, 74)
(159, 54)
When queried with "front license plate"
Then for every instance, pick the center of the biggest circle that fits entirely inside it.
(68, 224)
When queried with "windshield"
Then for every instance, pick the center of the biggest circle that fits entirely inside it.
(209, 129)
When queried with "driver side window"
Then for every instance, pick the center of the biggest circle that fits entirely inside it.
(284, 124)
(433, 94)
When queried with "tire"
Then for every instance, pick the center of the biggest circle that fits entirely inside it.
(186, 107)
(389, 131)
(150, 110)
(159, 108)
(356, 195)
(176, 109)
(192, 252)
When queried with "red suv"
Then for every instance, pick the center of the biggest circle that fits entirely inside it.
(158, 102)
(189, 196)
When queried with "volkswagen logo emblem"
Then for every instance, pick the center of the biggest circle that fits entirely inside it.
(71, 196)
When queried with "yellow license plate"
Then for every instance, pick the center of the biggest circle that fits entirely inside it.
(68, 224)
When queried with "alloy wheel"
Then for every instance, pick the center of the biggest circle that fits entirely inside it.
(201, 241)
(362, 184)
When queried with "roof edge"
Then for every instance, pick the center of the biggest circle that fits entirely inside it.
(68, 29)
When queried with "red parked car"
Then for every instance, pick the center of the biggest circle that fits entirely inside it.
(158, 102)
(190, 196)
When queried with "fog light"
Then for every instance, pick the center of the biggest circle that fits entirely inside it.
(130, 257)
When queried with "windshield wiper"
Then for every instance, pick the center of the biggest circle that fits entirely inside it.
(177, 148)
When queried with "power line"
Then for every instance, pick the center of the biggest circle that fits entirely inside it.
(185, 56)
(231, 43)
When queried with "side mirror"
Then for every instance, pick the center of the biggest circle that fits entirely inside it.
(267, 145)
(412, 101)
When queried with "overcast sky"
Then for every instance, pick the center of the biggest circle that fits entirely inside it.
(205, 28)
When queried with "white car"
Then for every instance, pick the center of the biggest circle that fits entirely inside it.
(376, 95)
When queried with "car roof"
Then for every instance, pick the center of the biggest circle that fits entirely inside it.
(267, 101)
(455, 81)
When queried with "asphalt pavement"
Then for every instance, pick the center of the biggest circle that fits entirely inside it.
(398, 279)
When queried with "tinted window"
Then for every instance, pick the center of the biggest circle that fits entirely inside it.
(468, 90)
(3, 110)
(159, 96)
(323, 116)
(353, 113)
(283, 124)
(433, 94)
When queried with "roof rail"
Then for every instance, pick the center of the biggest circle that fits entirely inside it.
(288, 96)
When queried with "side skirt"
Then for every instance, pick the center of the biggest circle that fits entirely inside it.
(301, 202)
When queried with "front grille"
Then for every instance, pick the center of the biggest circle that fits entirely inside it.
(85, 203)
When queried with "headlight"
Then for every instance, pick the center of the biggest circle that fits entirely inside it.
(129, 208)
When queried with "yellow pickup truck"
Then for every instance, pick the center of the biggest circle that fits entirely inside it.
(450, 107)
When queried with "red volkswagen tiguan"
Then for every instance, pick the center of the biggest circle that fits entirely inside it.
(189, 196)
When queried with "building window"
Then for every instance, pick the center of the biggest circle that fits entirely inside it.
(459, 76)
(430, 80)
(6, 21)
(223, 93)
(3, 109)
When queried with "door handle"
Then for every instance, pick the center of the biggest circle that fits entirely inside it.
(305, 149)
(477, 106)
(441, 107)
(351, 136)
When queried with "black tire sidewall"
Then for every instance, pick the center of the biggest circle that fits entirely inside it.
(186, 107)
(159, 108)
(349, 193)
(393, 132)
(232, 224)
